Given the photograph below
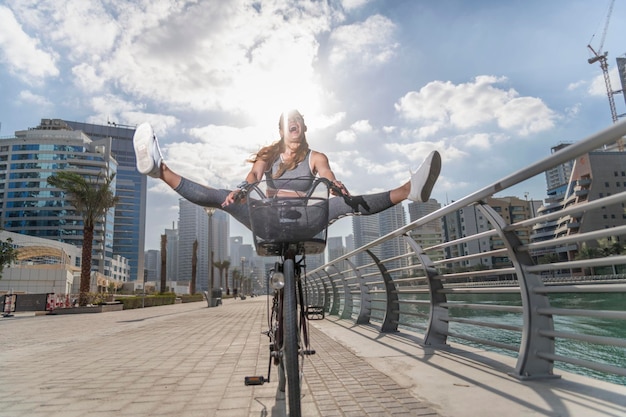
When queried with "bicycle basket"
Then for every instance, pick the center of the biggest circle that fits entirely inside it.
(284, 220)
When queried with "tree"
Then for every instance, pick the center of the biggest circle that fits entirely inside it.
(236, 278)
(223, 265)
(91, 197)
(8, 254)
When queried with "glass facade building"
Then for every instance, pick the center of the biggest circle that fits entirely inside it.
(130, 213)
(29, 206)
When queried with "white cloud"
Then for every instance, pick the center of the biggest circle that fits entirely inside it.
(576, 85)
(22, 54)
(474, 104)
(350, 5)
(346, 136)
(29, 97)
(362, 126)
(597, 86)
(86, 78)
(363, 44)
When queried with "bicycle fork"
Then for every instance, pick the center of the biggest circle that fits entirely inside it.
(276, 328)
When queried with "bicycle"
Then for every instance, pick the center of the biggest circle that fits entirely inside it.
(289, 225)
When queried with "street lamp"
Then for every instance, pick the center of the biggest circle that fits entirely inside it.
(210, 211)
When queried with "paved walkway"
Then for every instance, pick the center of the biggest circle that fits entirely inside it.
(187, 360)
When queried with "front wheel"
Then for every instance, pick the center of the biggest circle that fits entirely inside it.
(290, 342)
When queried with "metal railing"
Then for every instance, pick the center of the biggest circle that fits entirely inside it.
(541, 313)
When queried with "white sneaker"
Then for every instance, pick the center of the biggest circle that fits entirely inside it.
(147, 152)
(423, 180)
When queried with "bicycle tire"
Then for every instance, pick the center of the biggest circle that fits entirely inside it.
(290, 341)
(277, 317)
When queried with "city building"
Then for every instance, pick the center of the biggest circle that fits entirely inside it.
(470, 221)
(29, 206)
(42, 266)
(369, 228)
(131, 187)
(595, 175)
(193, 226)
(171, 253)
(152, 266)
(431, 233)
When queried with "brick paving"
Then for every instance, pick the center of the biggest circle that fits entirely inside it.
(184, 360)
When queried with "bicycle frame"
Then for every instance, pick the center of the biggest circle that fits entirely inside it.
(288, 226)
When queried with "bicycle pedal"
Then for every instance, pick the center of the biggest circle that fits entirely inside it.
(315, 312)
(308, 352)
(254, 380)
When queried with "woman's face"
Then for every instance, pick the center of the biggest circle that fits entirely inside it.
(295, 128)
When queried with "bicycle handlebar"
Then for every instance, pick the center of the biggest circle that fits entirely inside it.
(245, 187)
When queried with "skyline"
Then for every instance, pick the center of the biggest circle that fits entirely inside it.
(492, 86)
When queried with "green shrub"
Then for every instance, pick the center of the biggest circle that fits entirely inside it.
(192, 298)
(148, 301)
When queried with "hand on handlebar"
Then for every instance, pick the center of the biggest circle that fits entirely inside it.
(337, 188)
(238, 195)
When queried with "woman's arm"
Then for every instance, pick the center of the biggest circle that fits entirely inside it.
(255, 175)
(321, 167)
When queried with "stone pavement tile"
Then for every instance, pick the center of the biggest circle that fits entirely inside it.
(182, 360)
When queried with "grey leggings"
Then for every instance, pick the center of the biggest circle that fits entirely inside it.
(337, 207)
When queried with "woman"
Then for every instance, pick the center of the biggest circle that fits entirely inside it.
(288, 158)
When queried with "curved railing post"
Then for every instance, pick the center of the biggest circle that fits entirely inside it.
(366, 299)
(323, 299)
(334, 309)
(529, 365)
(392, 315)
(314, 290)
(346, 313)
(437, 330)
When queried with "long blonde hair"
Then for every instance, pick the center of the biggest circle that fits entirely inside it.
(272, 152)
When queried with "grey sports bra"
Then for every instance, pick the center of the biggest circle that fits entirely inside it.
(298, 179)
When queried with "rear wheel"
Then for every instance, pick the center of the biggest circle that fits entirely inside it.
(290, 342)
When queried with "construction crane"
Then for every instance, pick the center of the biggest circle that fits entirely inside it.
(599, 56)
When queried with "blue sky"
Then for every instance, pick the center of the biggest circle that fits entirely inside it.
(491, 84)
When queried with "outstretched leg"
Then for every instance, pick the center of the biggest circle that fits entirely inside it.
(150, 162)
(418, 188)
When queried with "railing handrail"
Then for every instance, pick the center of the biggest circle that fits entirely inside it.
(513, 270)
(564, 155)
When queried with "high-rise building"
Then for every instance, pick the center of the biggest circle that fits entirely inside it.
(431, 233)
(369, 228)
(29, 206)
(470, 221)
(171, 255)
(595, 175)
(365, 229)
(390, 220)
(130, 213)
(193, 225)
(153, 265)
(335, 250)
(221, 235)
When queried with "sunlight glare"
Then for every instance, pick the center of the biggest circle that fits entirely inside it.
(263, 96)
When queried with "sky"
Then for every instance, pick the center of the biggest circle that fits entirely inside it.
(492, 85)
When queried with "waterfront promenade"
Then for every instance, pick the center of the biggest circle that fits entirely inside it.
(188, 360)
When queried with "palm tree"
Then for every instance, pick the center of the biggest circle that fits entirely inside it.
(223, 265)
(91, 198)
